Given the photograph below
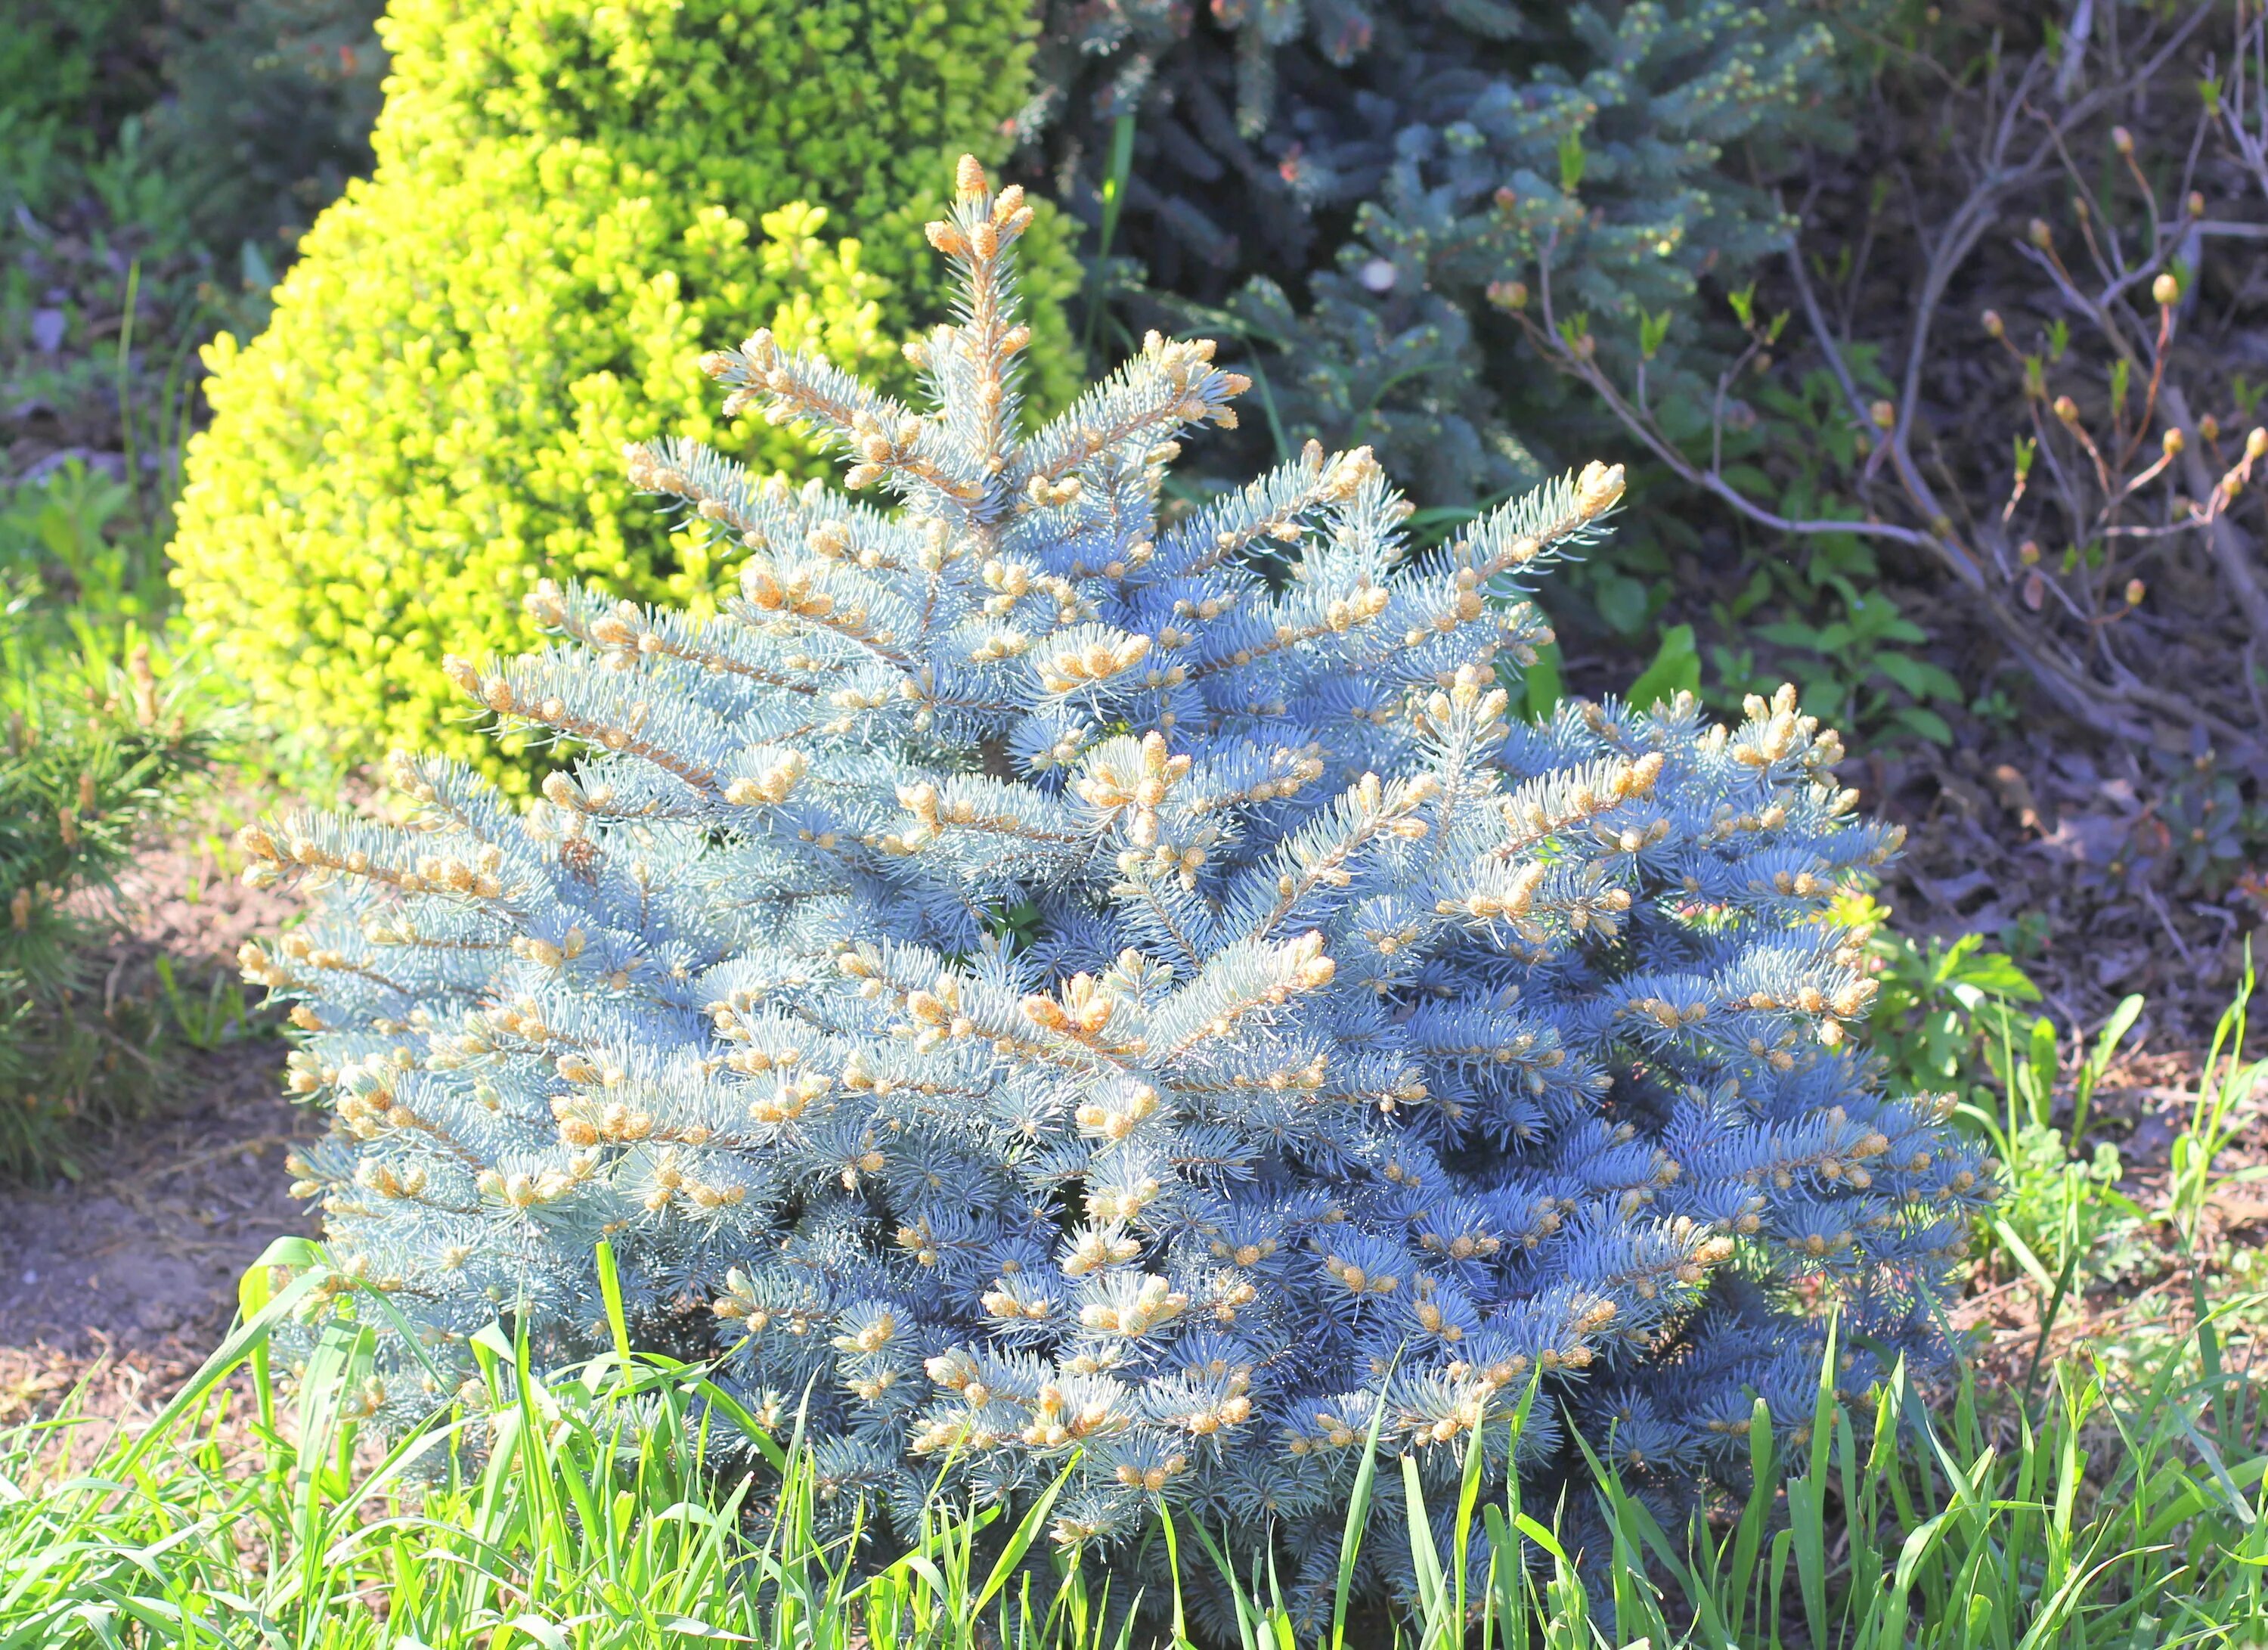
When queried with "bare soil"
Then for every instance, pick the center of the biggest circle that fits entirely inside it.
(127, 1275)
(136, 1262)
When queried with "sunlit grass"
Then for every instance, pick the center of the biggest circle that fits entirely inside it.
(628, 1501)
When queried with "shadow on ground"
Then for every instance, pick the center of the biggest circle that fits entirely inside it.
(130, 1269)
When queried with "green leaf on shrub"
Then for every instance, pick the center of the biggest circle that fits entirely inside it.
(1929, 723)
(1622, 603)
(1676, 668)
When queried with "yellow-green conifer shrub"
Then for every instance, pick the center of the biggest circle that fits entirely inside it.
(571, 202)
(435, 416)
(859, 106)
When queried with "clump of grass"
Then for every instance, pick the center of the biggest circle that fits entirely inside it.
(625, 1501)
(2099, 1238)
(630, 1501)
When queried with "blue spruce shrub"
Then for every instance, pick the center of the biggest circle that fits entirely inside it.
(1042, 985)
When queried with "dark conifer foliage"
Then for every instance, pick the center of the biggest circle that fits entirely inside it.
(1354, 184)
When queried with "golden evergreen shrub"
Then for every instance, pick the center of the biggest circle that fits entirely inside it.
(859, 106)
(570, 201)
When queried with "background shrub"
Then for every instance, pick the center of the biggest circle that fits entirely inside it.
(269, 111)
(567, 198)
(401, 453)
(86, 62)
(857, 106)
(1353, 183)
(102, 737)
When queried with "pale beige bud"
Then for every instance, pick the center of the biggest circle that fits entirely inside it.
(1598, 488)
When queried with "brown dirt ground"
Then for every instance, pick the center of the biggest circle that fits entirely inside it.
(127, 1275)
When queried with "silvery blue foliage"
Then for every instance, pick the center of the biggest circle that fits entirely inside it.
(1031, 983)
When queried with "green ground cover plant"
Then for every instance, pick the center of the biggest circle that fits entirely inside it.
(144, 177)
(137, 215)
